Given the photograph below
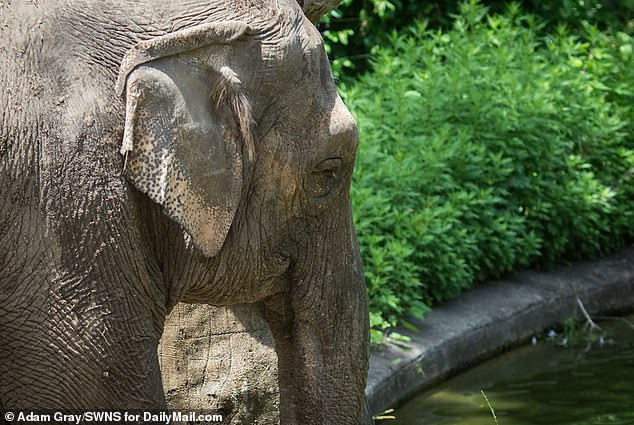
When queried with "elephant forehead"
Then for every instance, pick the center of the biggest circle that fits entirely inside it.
(289, 51)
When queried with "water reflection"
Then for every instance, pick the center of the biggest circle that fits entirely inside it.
(541, 384)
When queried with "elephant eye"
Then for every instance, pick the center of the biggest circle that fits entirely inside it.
(324, 181)
(329, 165)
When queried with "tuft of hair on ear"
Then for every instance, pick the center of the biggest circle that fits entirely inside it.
(241, 108)
(226, 92)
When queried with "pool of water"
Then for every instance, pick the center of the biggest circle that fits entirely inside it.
(541, 384)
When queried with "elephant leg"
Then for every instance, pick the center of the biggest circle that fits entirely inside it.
(74, 348)
(220, 359)
(80, 320)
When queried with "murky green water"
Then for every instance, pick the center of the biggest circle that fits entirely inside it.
(542, 384)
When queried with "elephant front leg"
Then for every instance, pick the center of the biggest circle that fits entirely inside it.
(321, 339)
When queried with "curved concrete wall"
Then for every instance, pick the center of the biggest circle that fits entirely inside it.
(492, 317)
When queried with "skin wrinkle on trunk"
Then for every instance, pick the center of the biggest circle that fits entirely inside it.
(99, 266)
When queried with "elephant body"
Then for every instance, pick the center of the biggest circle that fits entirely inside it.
(157, 152)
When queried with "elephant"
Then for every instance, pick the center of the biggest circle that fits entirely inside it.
(174, 151)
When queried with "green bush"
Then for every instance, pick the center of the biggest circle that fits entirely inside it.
(486, 149)
(352, 30)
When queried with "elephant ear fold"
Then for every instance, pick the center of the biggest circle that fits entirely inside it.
(187, 131)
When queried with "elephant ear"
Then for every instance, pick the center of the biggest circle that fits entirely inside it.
(187, 129)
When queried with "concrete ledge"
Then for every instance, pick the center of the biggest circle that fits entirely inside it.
(492, 317)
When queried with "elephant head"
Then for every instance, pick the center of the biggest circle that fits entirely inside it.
(237, 156)
(251, 152)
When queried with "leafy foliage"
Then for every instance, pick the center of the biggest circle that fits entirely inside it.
(354, 29)
(487, 148)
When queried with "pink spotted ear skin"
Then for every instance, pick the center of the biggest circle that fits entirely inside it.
(183, 146)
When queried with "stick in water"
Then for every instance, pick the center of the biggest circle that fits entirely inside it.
(490, 407)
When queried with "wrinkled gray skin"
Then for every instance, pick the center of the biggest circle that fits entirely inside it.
(237, 136)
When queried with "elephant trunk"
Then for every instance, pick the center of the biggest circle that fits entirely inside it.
(321, 334)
